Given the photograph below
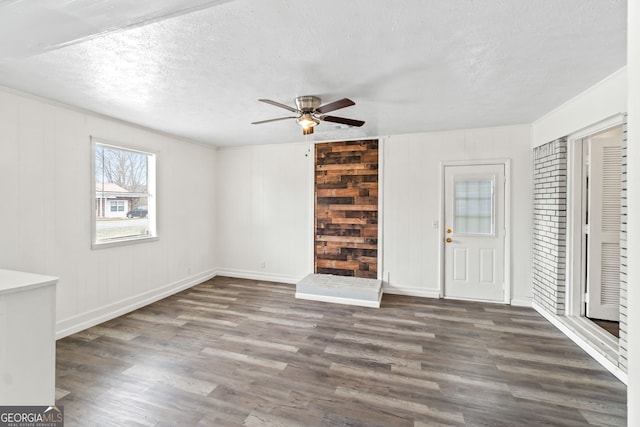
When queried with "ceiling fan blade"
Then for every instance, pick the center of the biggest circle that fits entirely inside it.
(342, 120)
(277, 104)
(273, 120)
(335, 105)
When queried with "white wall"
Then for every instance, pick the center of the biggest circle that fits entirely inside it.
(45, 182)
(633, 175)
(264, 202)
(601, 101)
(412, 185)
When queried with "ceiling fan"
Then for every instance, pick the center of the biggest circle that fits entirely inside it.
(310, 113)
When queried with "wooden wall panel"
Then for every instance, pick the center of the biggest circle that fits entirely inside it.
(346, 208)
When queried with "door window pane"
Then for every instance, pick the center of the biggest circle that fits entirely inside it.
(473, 206)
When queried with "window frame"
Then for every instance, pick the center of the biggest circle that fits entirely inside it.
(151, 195)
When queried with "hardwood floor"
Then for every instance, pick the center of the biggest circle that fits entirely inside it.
(242, 352)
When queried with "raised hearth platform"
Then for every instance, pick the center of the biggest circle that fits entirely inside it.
(340, 290)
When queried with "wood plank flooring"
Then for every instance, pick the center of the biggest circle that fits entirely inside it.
(241, 352)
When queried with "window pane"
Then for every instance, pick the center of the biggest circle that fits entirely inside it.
(473, 206)
(122, 194)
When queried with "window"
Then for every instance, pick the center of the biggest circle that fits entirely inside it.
(117, 205)
(124, 202)
(474, 206)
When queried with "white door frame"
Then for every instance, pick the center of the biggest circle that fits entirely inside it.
(507, 219)
(596, 341)
(575, 238)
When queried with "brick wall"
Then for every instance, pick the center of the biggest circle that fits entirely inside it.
(549, 225)
(622, 361)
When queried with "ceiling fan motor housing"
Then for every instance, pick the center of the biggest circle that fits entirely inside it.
(307, 103)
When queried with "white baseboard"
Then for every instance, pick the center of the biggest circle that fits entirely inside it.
(411, 292)
(582, 343)
(338, 300)
(258, 275)
(521, 302)
(99, 315)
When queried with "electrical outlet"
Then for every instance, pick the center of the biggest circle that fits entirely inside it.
(263, 264)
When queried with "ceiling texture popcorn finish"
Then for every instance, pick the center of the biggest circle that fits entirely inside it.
(197, 68)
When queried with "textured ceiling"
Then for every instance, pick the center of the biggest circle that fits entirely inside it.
(196, 68)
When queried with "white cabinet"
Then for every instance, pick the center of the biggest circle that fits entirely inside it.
(27, 339)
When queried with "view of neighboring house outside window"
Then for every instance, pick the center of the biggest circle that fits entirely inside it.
(124, 202)
(112, 201)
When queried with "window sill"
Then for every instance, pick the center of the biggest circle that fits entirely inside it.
(124, 242)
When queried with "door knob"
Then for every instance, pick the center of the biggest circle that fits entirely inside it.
(448, 240)
(449, 231)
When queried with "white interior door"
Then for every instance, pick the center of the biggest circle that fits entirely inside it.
(603, 226)
(474, 232)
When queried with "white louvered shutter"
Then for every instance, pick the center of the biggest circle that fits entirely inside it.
(603, 278)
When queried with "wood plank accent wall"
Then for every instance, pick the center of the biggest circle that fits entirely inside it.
(346, 208)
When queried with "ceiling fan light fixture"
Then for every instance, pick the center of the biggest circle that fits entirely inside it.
(307, 121)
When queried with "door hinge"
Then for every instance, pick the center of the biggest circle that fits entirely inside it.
(587, 159)
(586, 297)
(586, 229)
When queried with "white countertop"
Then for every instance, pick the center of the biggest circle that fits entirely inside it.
(15, 281)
